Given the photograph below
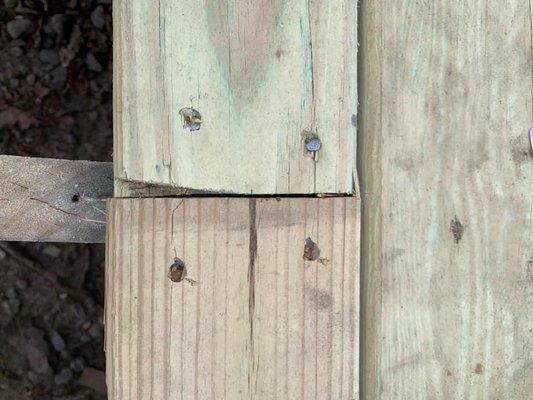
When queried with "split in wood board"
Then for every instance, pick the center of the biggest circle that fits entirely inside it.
(266, 317)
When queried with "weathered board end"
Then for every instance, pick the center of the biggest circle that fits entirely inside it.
(236, 97)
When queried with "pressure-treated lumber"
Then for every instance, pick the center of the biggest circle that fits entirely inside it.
(261, 322)
(446, 89)
(48, 200)
(261, 73)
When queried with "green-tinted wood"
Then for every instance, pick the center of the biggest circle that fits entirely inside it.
(446, 95)
(260, 73)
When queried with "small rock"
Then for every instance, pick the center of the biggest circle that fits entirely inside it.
(57, 341)
(16, 51)
(14, 83)
(38, 360)
(93, 115)
(30, 79)
(64, 376)
(98, 17)
(84, 338)
(58, 75)
(6, 119)
(65, 355)
(21, 285)
(51, 251)
(5, 312)
(56, 24)
(63, 296)
(96, 331)
(18, 27)
(11, 293)
(33, 377)
(78, 364)
(14, 306)
(79, 316)
(92, 63)
(49, 56)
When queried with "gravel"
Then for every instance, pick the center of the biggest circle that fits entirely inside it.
(56, 102)
(51, 251)
(57, 341)
(64, 376)
(98, 17)
(49, 56)
(19, 27)
(92, 63)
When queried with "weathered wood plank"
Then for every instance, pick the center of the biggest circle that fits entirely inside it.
(48, 200)
(260, 322)
(446, 95)
(260, 73)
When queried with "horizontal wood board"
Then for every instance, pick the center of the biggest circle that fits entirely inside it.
(49, 200)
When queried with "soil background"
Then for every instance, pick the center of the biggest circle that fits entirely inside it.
(55, 101)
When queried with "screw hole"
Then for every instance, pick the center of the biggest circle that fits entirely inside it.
(75, 198)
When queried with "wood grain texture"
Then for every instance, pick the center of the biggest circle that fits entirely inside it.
(261, 322)
(48, 200)
(260, 73)
(446, 93)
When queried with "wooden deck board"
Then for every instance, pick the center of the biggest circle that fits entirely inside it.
(260, 73)
(260, 322)
(446, 91)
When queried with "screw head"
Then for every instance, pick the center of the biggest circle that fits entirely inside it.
(313, 144)
(192, 119)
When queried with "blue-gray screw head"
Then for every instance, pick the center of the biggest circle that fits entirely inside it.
(313, 144)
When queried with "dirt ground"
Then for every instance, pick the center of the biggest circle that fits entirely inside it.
(55, 101)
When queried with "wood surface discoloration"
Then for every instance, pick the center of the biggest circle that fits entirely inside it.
(259, 72)
(48, 200)
(261, 323)
(446, 91)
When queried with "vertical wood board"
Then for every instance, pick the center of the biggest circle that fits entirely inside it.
(260, 73)
(447, 178)
(260, 323)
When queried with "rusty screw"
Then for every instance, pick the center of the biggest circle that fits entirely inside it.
(178, 272)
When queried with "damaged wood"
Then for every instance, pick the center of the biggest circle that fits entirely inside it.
(49, 200)
(261, 322)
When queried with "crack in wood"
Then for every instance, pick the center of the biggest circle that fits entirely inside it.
(251, 277)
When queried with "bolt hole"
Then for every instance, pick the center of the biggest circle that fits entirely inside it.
(75, 198)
